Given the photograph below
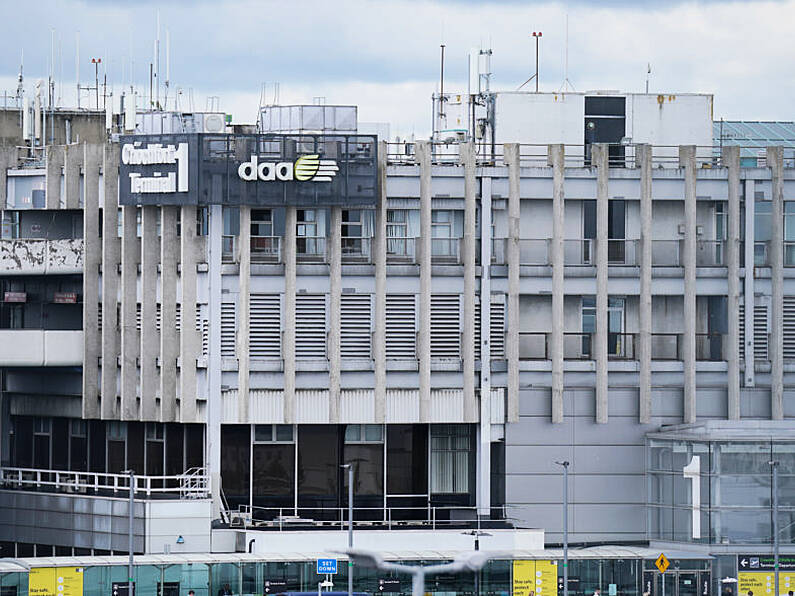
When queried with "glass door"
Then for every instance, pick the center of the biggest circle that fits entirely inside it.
(687, 584)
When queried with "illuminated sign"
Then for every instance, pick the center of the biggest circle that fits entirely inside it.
(135, 154)
(309, 168)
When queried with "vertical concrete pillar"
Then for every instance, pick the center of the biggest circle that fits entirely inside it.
(150, 345)
(111, 257)
(189, 335)
(8, 160)
(471, 414)
(214, 408)
(73, 159)
(600, 158)
(556, 158)
(335, 319)
(288, 344)
(731, 160)
(484, 445)
(775, 161)
(511, 152)
(169, 249)
(130, 348)
(748, 284)
(425, 258)
(379, 253)
(687, 161)
(243, 316)
(92, 255)
(54, 172)
(644, 153)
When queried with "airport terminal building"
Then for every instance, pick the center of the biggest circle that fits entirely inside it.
(234, 313)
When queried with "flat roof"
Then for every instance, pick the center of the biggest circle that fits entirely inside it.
(728, 430)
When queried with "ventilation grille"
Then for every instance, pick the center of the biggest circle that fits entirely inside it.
(760, 332)
(310, 326)
(446, 326)
(401, 326)
(497, 322)
(789, 327)
(228, 328)
(742, 331)
(355, 330)
(265, 326)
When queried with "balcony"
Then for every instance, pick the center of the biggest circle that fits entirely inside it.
(533, 346)
(666, 253)
(27, 256)
(39, 347)
(710, 253)
(446, 250)
(578, 252)
(401, 249)
(709, 347)
(266, 249)
(789, 254)
(310, 249)
(665, 346)
(356, 249)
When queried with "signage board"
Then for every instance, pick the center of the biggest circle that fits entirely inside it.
(65, 298)
(535, 578)
(764, 562)
(15, 297)
(389, 584)
(275, 586)
(574, 584)
(761, 582)
(259, 170)
(55, 581)
(121, 588)
(326, 566)
(662, 563)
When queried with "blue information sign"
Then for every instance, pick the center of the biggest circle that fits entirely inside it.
(326, 566)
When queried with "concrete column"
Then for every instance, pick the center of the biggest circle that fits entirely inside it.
(379, 253)
(169, 249)
(471, 414)
(775, 161)
(288, 344)
(731, 160)
(335, 319)
(243, 316)
(599, 158)
(8, 160)
(748, 284)
(73, 159)
(644, 155)
(92, 255)
(150, 344)
(511, 152)
(189, 337)
(54, 169)
(214, 410)
(111, 257)
(556, 158)
(687, 161)
(484, 445)
(130, 348)
(424, 249)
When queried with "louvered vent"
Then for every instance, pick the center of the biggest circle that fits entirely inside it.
(228, 328)
(401, 326)
(497, 336)
(203, 327)
(99, 316)
(789, 327)
(265, 326)
(446, 326)
(742, 331)
(355, 330)
(310, 326)
(760, 332)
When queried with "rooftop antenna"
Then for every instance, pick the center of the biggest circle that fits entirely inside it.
(168, 66)
(566, 80)
(441, 89)
(157, 62)
(537, 35)
(77, 65)
(21, 79)
(648, 74)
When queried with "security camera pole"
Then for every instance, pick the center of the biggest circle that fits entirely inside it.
(471, 561)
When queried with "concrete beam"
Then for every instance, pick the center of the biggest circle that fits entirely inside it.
(243, 315)
(471, 413)
(644, 156)
(54, 169)
(731, 160)
(556, 157)
(335, 315)
(111, 257)
(8, 159)
(73, 160)
(511, 158)
(150, 345)
(169, 250)
(599, 157)
(423, 149)
(130, 347)
(189, 337)
(92, 254)
(288, 349)
(687, 161)
(379, 253)
(775, 161)
(748, 284)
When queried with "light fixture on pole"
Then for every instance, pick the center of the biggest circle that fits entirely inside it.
(537, 35)
(565, 465)
(130, 528)
(774, 466)
(477, 534)
(349, 467)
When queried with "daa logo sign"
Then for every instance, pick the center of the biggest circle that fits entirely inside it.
(309, 168)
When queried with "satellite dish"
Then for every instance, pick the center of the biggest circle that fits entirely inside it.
(214, 123)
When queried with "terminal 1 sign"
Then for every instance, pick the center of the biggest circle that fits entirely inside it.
(258, 170)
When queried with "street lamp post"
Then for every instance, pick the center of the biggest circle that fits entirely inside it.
(774, 466)
(565, 465)
(537, 35)
(130, 528)
(477, 534)
(349, 467)
(472, 561)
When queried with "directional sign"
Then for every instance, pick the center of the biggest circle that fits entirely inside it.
(574, 584)
(120, 589)
(389, 585)
(326, 566)
(275, 586)
(662, 563)
(764, 562)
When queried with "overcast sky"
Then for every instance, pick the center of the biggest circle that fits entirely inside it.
(384, 55)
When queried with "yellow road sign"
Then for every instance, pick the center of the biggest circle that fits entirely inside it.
(662, 563)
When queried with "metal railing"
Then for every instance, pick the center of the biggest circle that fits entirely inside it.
(433, 517)
(266, 249)
(401, 249)
(665, 346)
(192, 484)
(666, 253)
(229, 246)
(534, 251)
(761, 254)
(710, 253)
(709, 346)
(577, 346)
(578, 252)
(533, 346)
(621, 346)
(446, 250)
(356, 248)
(310, 248)
(789, 254)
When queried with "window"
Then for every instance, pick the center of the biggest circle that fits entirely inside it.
(154, 431)
(352, 233)
(789, 233)
(273, 433)
(762, 231)
(616, 229)
(308, 241)
(364, 433)
(397, 243)
(588, 323)
(450, 455)
(202, 221)
(442, 233)
(261, 223)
